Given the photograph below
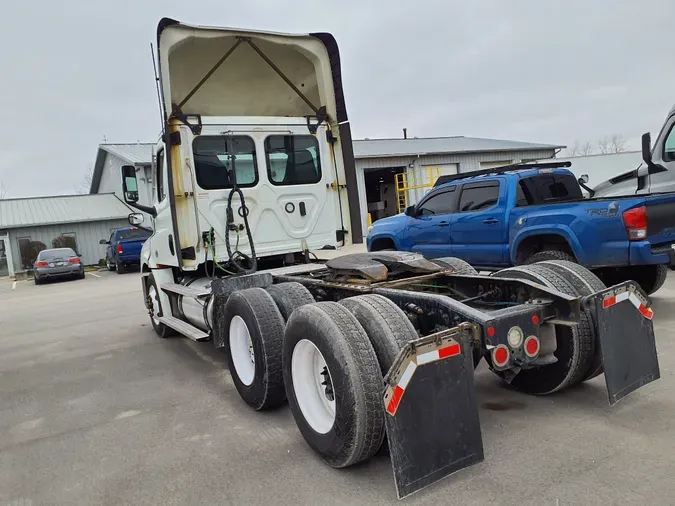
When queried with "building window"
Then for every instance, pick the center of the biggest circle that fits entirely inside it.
(65, 240)
(29, 250)
(292, 159)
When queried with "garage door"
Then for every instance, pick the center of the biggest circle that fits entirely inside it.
(492, 165)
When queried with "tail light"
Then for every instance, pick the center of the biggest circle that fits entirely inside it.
(41, 264)
(120, 249)
(532, 346)
(635, 221)
(500, 356)
(74, 260)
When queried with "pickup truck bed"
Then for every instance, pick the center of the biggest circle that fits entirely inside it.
(530, 214)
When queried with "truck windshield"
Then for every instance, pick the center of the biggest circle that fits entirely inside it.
(138, 233)
(216, 155)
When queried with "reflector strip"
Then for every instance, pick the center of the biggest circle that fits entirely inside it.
(644, 310)
(400, 388)
(432, 356)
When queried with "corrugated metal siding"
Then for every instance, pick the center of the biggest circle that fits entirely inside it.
(87, 236)
(131, 153)
(66, 209)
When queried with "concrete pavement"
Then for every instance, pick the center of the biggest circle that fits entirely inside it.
(96, 409)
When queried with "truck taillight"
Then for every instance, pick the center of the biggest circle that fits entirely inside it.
(120, 249)
(635, 221)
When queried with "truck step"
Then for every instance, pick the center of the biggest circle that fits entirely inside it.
(184, 328)
(185, 290)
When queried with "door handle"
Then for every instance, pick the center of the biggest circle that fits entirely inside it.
(443, 224)
(490, 221)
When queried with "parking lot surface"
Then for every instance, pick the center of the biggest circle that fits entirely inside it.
(96, 409)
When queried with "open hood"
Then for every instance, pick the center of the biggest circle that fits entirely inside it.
(231, 72)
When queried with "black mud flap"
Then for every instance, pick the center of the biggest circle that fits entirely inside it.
(624, 327)
(431, 411)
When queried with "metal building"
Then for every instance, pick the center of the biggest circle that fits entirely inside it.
(28, 225)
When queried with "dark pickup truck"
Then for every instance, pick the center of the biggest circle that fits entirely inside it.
(525, 214)
(124, 248)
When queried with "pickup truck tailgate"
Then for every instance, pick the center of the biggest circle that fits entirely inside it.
(661, 219)
(131, 248)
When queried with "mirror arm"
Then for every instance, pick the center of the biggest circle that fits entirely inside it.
(146, 209)
(590, 191)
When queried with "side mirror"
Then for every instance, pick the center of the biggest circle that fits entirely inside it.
(103, 241)
(410, 211)
(129, 184)
(583, 179)
(647, 148)
(136, 218)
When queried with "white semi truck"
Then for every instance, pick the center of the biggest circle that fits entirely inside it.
(254, 170)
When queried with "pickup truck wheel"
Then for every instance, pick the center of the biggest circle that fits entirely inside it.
(119, 267)
(549, 255)
(575, 345)
(334, 383)
(255, 330)
(386, 325)
(585, 283)
(109, 265)
(289, 297)
(156, 307)
(460, 266)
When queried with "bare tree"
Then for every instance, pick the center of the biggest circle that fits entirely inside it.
(603, 146)
(3, 190)
(573, 150)
(617, 144)
(586, 149)
(84, 186)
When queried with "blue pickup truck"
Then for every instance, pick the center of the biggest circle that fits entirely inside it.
(529, 213)
(124, 248)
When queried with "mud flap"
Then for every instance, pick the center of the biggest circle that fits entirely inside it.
(625, 331)
(431, 413)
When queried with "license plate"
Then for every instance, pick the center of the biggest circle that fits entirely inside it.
(51, 264)
(60, 264)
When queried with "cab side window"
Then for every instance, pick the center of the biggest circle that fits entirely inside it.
(669, 146)
(479, 197)
(160, 175)
(439, 203)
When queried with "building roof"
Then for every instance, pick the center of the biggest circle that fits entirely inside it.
(377, 148)
(36, 211)
(139, 153)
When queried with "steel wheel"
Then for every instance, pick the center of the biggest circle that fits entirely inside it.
(152, 293)
(241, 348)
(313, 386)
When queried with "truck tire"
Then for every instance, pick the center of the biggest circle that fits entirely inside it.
(153, 294)
(551, 254)
(326, 350)
(254, 328)
(109, 265)
(460, 266)
(119, 267)
(386, 325)
(649, 277)
(585, 283)
(289, 297)
(575, 345)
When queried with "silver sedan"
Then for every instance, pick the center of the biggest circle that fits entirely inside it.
(58, 263)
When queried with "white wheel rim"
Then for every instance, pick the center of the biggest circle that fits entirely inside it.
(241, 349)
(307, 365)
(155, 304)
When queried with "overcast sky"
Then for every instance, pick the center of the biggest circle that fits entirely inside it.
(76, 71)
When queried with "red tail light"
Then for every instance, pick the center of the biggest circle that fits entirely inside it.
(74, 260)
(41, 264)
(635, 221)
(120, 249)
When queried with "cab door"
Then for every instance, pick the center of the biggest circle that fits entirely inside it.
(428, 231)
(162, 243)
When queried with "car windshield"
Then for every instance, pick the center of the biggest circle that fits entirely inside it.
(133, 233)
(51, 254)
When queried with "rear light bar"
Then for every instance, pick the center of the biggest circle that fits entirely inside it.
(41, 264)
(635, 221)
(74, 260)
